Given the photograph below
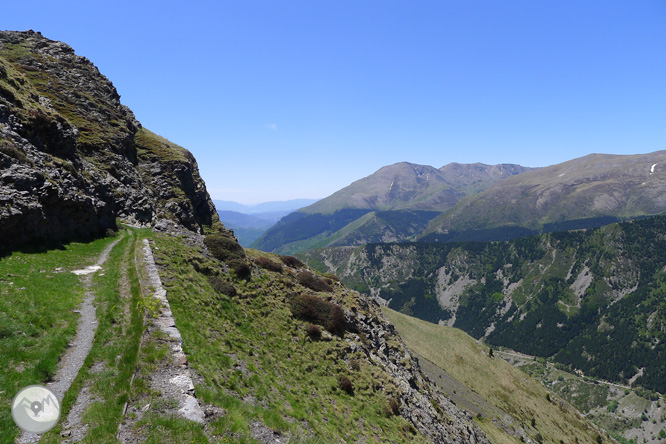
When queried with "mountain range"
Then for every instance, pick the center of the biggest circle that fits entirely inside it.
(581, 193)
(272, 207)
(393, 204)
(407, 202)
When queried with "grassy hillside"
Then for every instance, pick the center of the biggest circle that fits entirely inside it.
(268, 368)
(491, 388)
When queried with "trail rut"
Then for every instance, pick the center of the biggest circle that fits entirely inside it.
(73, 359)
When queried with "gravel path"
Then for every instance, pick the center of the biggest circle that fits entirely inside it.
(72, 361)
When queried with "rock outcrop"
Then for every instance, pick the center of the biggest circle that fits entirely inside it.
(73, 159)
(421, 401)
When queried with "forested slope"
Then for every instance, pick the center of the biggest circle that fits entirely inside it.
(594, 299)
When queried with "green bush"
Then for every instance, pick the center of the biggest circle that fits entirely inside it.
(240, 268)
(223, 248)
(316, 310)
(309, 280)
(222, 286)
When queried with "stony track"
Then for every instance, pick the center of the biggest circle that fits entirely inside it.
(73, 359)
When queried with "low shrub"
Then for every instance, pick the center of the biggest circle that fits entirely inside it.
(346, 385)
(309, 280)
(332, 277)
(222, 286)
(313, 331)
(267, 264)
(240, 268)
(291, 261)
(393, 407)
(316, 310)
(13, 151)
(223, 248)
(337, 324)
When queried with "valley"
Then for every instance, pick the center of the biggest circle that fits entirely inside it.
(581, 297)
(418, 304)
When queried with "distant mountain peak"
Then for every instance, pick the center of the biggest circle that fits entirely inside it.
(412, 193)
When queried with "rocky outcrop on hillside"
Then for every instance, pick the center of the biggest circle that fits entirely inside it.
(73, 159)
(422, 403)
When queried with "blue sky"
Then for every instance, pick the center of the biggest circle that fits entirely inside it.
(297, 99)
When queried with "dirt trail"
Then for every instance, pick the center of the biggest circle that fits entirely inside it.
(73, 359)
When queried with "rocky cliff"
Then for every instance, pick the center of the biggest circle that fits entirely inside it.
(73, 159)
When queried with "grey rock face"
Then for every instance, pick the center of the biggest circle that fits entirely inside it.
(418, 395)
(70, 163)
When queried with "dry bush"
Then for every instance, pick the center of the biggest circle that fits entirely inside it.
(346, 385)
(291, 261)
(337, 324)
(313, 331)
(313, 282)
(332, 277)
(393, 408)
(267, 264)
(316, 310)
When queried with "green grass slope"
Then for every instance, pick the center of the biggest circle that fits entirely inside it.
(38, 295)
(491, 388)
(270, 369)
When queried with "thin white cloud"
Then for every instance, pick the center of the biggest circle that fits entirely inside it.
(272, 126)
